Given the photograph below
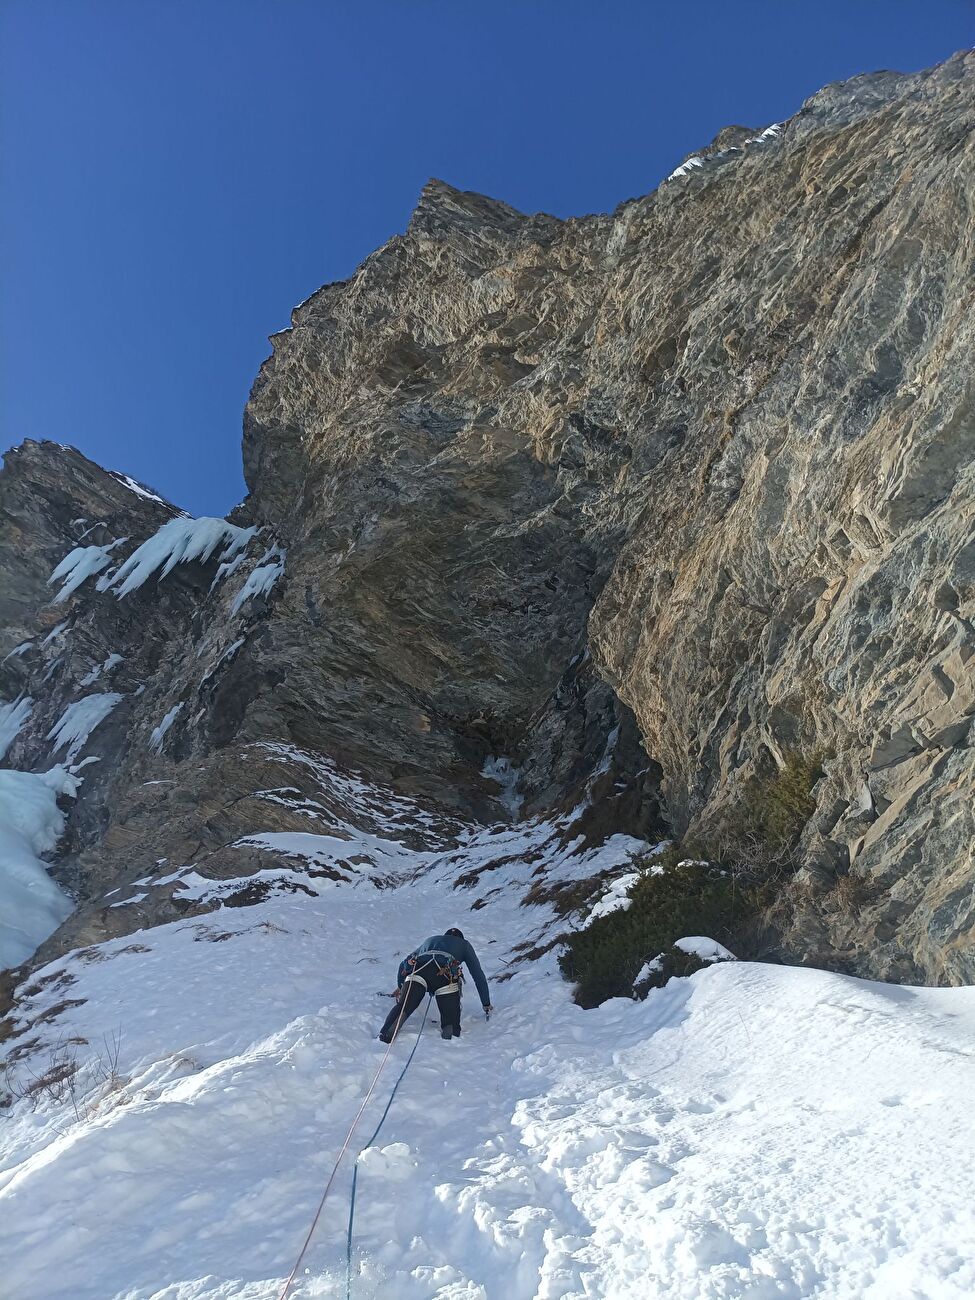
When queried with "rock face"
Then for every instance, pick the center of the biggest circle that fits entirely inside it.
(648, 504)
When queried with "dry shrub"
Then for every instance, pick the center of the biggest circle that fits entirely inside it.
(68, 1078)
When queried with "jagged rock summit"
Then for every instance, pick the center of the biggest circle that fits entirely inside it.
(661, 506)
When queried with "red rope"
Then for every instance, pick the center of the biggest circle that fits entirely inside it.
(338, 1161)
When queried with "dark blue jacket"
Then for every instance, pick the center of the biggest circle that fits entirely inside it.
(461, 951)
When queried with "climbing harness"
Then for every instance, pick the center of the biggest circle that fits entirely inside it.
(345, 1146)
(355, 1167)
(449, 968)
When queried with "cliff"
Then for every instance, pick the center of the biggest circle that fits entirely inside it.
(648, 510)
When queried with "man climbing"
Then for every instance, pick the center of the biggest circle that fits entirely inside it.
(435, 968)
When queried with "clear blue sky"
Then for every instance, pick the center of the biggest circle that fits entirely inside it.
(177, 174)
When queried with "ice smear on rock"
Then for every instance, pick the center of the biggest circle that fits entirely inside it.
(176, 542)
(159, 733)
(31, 904)
(108, 663)
(262, 578)
(505, 774)
(80, 564)
(12, 718)
(80, 719)
(55, 632)
(227, 655)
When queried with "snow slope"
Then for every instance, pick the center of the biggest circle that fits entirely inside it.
(753, 1131)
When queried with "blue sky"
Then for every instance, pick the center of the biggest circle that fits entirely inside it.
(177, 174)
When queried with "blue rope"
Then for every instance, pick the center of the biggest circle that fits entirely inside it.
(355, 1167)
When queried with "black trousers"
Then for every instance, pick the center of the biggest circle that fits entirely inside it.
(413, 993)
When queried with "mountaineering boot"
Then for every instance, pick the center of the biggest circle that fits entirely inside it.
(385, 1036)
(446, 1031)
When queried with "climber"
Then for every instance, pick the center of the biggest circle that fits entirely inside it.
(435, 968)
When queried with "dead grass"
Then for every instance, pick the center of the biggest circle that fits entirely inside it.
(52, 1013)
(528, 950)
(59, 979)
(83, 1083)
(566, 896)
(850, 894)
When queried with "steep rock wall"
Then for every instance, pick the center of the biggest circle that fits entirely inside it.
(744, 404)
(648, 504)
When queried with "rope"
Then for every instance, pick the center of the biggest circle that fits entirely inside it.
(355, 1167)
(345, 1146)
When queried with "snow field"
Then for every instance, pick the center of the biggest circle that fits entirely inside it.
(753, 1131)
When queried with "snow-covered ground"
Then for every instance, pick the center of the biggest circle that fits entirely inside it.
(753, 1131)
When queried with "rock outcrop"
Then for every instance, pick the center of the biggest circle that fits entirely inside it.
(648, 504)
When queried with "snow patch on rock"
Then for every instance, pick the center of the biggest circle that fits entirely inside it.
(138, 488)
(159, 733)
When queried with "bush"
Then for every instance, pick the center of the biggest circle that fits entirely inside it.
(683, 899)
(756, 841)
(777, 807)
(68, 1079)
(669, 965)
(754, 852)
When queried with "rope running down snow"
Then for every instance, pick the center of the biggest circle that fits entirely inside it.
(345, 1146)
(355, 1167)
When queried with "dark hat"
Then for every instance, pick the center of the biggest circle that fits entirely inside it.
(453, 930)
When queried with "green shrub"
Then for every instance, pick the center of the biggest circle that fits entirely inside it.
(684, 899)
(777, 807)
(675, 963)
(754, 852)
(756, 841)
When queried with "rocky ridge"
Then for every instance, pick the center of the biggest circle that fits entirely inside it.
(648, 504)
